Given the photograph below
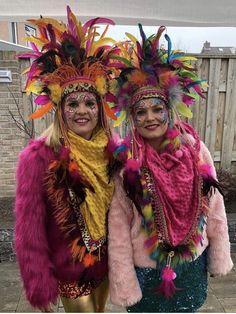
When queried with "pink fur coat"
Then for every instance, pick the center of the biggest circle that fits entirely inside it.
(126, 243)
(42, 252)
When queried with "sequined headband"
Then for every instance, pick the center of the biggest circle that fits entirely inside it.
(78, 85)
(146, 92)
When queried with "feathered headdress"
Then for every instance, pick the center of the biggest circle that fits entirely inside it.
(153, 71)
(69, 58)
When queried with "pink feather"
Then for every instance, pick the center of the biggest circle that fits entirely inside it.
(205, 170)
(97, 20)
(167, 287)
(28, 55)
(34, 47)
(42, 100)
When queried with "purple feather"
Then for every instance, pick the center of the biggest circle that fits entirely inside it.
(139, 51)
(111, 98)
(151, 241)
(71, 25)
(51, 33)
(142, 33)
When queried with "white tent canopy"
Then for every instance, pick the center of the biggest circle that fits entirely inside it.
(204, 13)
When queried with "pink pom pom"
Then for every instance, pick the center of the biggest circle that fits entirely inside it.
(168, 274)
(167, 287)
(132, 165)
(132, 169)
(172, 133)
(179, 153)
(205, 170)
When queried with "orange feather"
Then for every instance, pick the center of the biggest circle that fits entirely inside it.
(89, 260)
(42, 111)
(109, 111)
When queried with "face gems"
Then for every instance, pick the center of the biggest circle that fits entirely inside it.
(164, 119)
(74, 100)
(151, 109)
(81, 113)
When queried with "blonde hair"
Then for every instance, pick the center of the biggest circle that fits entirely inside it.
(53, 134)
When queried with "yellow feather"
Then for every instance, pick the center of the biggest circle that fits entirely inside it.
(185, 58)
(56, 91)
(101, 42)
(34, 88)
(38, 41)
(120, 119)
(204, 84)
(45, 21)
(147, 211)
(80, 31)
(101, 85)
(113, 87)
(184, 110)
(131, 37)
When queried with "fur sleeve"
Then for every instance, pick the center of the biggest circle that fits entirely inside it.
(30, 230)
(124, 285)
(219, 259)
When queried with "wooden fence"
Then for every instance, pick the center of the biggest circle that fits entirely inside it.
(215, 117)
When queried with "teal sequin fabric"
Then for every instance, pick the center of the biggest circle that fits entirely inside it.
(192, 279)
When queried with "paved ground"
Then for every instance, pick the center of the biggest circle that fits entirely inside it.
(221, 297)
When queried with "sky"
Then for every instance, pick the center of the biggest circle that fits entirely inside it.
(188, 39)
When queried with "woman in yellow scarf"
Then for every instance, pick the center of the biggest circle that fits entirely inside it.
(63, 189)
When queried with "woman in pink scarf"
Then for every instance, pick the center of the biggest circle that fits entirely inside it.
(167, 223)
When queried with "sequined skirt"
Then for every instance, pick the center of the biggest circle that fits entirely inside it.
(192, 279)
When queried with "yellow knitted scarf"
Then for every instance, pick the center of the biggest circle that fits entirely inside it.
(93, 167)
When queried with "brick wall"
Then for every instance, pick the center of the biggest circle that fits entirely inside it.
(12, 140)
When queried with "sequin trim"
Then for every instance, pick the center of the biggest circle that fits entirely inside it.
(90, 244)
(193, 278)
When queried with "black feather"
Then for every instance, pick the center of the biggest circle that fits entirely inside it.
(48, 62)
(209, 186)
(134, 190)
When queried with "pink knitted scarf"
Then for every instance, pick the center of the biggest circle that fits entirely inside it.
(177, 185)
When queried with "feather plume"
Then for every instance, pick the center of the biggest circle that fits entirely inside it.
(42, 111)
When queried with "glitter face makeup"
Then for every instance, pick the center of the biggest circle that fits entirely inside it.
(151, 118)
(81, 113)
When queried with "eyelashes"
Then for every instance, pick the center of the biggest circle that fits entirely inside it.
(159, 114)
(74, 105)
(142, 112)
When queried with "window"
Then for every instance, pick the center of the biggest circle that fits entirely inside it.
(13, 33)
(29, 31)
